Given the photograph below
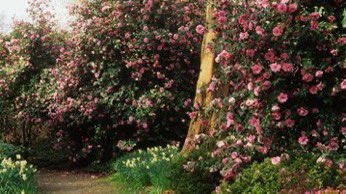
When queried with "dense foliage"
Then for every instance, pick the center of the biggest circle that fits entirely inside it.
(128, 76)
(282, 66)
(125, 76)
(9, 150)
(27, 55)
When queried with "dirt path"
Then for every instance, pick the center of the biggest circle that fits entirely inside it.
(64, 182)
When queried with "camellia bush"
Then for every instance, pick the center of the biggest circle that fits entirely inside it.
(127, 75)
(279, 83)
(27, 55)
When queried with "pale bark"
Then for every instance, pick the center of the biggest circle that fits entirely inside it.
(203, 98)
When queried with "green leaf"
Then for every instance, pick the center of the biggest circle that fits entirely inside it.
(343, 22)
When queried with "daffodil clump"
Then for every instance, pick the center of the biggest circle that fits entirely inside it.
(16, 176)
(150, 167)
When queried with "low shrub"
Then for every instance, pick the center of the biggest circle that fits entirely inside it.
(193, 173)
(9, 150)
(193, 182)
(147, 168)
(16, 176)
(303, 173)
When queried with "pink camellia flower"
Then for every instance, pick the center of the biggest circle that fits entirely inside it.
(221, 19)
(259, 30)
(302, 111)
(238, 127)
(220, 144)
(211, 87)
(266, 75)
(331, 18)
(270, 56)
(284, 56)
(314, 15)
(234, 155)
(262, 149)
(313, 25)
(275, 108)
(251, 138)
(257, 91)
(146, 40)
(200, 29)
(320, 86)
(282, 8)
(145, 28)
(250, 86)
(307, 77)
(334, 52)
(224, 161)
(175, 36)
(328, 163)
(303, 140)
(275, 67)
(314, 133)
(250, 52)
(255, 122)
(343, 84)
(266, 85)
(230, 120)
(243, 35)
(289, 123)
(292, 7)
(105, 8)
(193, 115)
(225, 55)
(319, 73)
(131, 119)
(277, 31)
(286, 67)
(313, 90)
(256, 69)
(276, 116)
(276, 160)
(282, 98)
(249, 102)
(341, 41)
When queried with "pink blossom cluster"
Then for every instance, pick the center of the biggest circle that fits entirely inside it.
(127, 73)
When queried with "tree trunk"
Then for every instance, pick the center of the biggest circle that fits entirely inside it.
(206, 72)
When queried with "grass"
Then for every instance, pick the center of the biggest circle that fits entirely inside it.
(145, 171)
(124, 187)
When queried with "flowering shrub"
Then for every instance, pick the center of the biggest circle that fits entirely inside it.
(27, 55)
(16, 176)
(282, 64)
(127, 75)
(147, 168)
(295, 174)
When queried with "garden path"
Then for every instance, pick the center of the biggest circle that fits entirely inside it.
(70, 182)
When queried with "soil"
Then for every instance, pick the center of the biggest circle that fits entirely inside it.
(72, 182)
